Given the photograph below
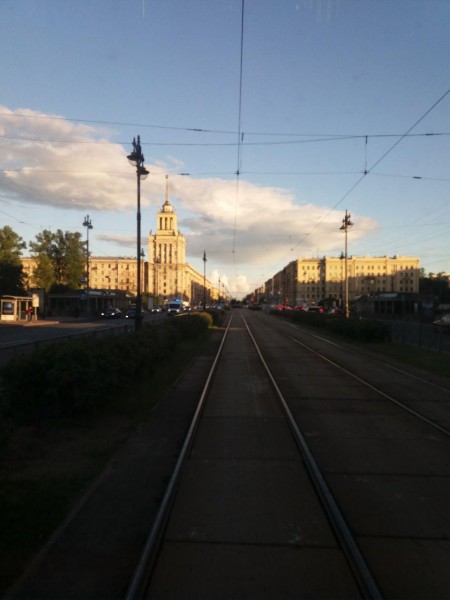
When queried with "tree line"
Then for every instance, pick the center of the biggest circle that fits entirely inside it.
(60, 259)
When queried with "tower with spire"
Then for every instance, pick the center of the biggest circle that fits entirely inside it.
(167, 255)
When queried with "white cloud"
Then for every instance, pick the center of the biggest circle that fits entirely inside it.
(52, 162)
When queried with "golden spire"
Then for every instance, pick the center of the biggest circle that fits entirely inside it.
(167, 190)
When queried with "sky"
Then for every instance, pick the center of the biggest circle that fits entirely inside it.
(271, 119)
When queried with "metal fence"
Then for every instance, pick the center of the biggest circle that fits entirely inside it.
(421, 335)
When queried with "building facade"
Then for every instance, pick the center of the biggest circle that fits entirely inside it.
(165, 276)
(308, 281)
(168, 276)
(167, 273)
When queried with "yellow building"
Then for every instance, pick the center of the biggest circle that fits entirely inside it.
(309, 280)
(166, 275)
(112, 273)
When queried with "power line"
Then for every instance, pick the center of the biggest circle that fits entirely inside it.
(329, 136)
(238, 144)
(377, 162)
(240, 136)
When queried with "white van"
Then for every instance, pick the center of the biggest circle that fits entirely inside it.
(174, 308)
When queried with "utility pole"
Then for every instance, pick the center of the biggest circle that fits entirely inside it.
(346, 223)
(88, 224)
(136, 159)
(204, 279)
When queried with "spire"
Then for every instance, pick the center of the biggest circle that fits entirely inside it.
(167, 207)
(167, 190)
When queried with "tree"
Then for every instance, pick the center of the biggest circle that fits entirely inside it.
(44, 274)
(11, 272)
(65, 253)
(436, 286)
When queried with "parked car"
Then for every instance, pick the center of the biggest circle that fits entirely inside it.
(132, 312)
(337, 311)
(316, 309)
(442, 324)
(111, 313)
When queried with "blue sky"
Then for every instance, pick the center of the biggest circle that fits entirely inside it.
(329, 89)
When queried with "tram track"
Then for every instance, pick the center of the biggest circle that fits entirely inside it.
(340, 356)
(378, 467)
(243, 519)
(403, 459)
(142, 580)
(387, 365)
(366, 581)
(378, 390)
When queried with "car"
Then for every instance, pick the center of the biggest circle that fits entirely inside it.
(337, 311)
(156, 309)
(111, 313)
(442, 324)
(174, 308)
(132, 312)
(316, 309)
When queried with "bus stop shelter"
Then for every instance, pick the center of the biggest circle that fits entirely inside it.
(18, 308)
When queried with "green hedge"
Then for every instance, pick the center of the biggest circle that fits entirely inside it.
(362, 330)
(80, 375)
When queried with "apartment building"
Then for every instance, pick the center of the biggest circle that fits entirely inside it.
(165, 276)
(310, 280)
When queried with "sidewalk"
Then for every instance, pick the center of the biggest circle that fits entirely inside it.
(44, 321)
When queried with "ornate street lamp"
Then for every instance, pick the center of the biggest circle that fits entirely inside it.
(204, 279)
(88, 224)
(346, 223)
(136, 159)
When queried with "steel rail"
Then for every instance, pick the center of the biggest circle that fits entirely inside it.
(367, 584)
(141, 576)
(374, 388)
(378, 360)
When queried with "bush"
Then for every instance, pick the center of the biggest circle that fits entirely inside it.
(362, 330)
(80, 375)
(216, 316)
(195, 324)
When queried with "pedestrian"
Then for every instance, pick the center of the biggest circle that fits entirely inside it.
(29, 313)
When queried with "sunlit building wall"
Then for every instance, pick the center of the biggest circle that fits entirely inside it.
(165, 276)
(310, 280)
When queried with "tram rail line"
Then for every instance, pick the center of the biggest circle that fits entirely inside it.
(378, 465)
(378, 390)
(345, 351)
(243, 519)
(415, 456)
(365, 581)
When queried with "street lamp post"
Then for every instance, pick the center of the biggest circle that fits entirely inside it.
(136, 159)
(88, 224)
(346, 223)
(204, 279)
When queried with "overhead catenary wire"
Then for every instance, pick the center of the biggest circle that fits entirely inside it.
(327, 136)
(368, 170)
(240, 135)
(380, 159)
(239, 143)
